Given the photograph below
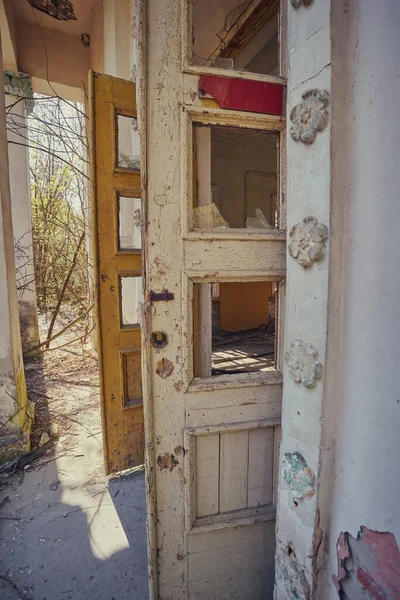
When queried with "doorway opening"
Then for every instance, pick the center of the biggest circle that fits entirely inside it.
(61, 494)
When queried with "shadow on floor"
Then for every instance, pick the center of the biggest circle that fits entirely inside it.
(92, 549)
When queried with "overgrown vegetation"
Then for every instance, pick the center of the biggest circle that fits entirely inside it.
(58, 158)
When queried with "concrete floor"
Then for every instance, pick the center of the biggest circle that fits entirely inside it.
(68, 532)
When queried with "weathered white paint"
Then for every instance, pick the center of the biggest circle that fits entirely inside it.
(308, 189)
(188, 543)
(207, 465)
(22, 224)
(359, 479)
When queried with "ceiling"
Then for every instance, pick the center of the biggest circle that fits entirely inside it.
(83, 10)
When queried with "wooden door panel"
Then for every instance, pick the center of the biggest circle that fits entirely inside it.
(213, 437)
(242, 258)
(238, 561)
(119, 336)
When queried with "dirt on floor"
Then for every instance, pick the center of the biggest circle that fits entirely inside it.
(67, 531)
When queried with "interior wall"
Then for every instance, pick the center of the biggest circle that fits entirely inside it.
(233, 154)
(261, 43)
(266, 60)
(244, 305)
(360, 484)
(97, 38)
(206, 28)
(260, 55)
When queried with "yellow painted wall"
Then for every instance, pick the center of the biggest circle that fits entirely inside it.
(244, 305)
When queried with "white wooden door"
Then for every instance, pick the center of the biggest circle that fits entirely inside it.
(212, 397)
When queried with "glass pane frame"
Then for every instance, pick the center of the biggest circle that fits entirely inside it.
(133, 195)
(189, 67)
(250, 121)
(119, 114)
(235, 178)
(127, 275)
(237, 336)
(273, 376)
(124, 354)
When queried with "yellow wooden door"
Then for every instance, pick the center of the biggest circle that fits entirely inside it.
(117, 252)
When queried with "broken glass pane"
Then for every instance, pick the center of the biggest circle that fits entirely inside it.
(236, 35)
(236, 178)
(128, 143)
(259, 222)
(208, 216)
(234, 327)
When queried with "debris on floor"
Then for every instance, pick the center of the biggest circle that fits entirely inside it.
(243, 351)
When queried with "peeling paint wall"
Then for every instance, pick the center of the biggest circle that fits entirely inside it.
(368, 565)
(359, 485)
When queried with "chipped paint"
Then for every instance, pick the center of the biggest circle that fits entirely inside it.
(164, 368)
(368, 565)
(298, 475)
(179, 450)
(159, 339)
(292, 573)
(238, 94)
(343, 552)
(167, 461)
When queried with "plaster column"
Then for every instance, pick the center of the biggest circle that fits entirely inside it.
(119, 52)
(15, 409)
(308, 211)
(22, 222)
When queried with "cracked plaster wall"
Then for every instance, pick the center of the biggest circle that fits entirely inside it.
(359, 485)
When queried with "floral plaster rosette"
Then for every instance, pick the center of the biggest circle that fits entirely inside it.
(303, 365)
(308, 241)
(309, 116)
